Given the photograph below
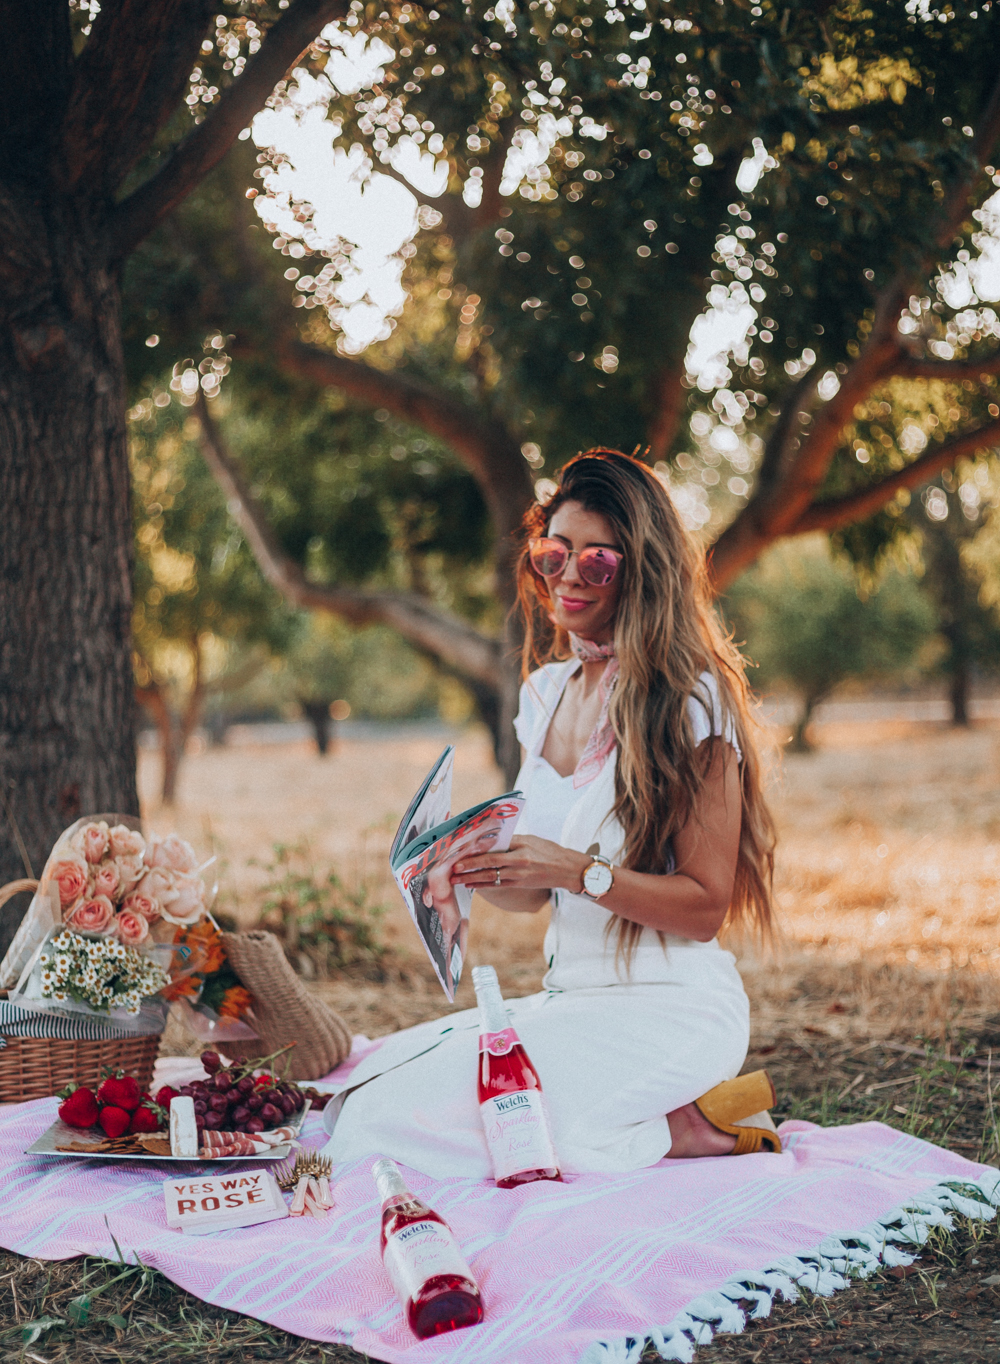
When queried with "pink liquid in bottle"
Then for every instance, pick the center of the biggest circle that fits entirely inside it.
(422, 1258)
(510, 1095)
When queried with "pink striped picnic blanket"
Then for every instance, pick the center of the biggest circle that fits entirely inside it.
(589, 1270)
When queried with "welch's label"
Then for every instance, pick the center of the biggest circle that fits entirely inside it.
(421, 1251)
(517, 1133)
(498, 1043)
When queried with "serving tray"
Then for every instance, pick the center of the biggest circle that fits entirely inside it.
(60, 1134)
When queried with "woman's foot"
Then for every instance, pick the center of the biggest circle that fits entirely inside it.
(691, 1134)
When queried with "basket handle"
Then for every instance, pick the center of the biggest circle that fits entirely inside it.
(13, 888)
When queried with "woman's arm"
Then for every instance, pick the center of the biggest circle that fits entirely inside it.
(690, 903)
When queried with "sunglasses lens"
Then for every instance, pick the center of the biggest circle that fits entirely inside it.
(598, 566)
(548, 557)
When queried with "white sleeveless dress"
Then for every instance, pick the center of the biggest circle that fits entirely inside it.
(615, 1054)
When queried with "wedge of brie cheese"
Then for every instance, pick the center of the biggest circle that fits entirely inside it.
(183, 1132)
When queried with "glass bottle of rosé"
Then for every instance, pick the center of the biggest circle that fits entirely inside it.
(510, 1094)
(422, 1258)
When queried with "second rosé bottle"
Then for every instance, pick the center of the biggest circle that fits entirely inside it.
(510, 1094)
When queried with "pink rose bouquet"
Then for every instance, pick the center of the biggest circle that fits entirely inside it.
(112, 882)
(112, 900)
(154, 879)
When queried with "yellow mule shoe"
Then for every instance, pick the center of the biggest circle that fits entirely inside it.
(739, 1107)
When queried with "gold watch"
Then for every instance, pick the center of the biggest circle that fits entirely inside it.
(598, 878)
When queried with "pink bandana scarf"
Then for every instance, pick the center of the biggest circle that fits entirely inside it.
(602, 739)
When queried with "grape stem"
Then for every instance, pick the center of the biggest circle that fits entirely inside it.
(258, 1062)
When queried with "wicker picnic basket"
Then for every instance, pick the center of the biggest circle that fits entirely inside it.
(38, 1067)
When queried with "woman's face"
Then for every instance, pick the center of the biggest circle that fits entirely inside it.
(576, 605)
(484, 840)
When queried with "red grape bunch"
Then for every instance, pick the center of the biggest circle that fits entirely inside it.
(234, 1099)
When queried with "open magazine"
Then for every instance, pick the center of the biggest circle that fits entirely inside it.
(428, 843)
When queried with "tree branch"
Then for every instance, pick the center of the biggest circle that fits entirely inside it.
(489, 450)
(781, 507)
(128, 82)
(208, 143)
(917, 367)
(433, 631)
(841, 511)
(669, 397)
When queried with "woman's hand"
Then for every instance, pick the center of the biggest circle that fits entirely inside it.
(439, 883)
(530, 864)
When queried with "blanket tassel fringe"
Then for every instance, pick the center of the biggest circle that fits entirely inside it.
(835, 1262)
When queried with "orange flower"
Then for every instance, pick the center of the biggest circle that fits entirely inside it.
(235, 1002)
(205, 942)
(185, 988)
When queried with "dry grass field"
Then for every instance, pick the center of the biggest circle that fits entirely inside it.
(888, 869)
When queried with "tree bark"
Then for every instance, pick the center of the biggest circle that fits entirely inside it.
(67, 708)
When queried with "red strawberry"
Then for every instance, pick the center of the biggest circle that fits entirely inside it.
(120, 1091)
(114, 1120)
(146, 1118)
(79, 1107)
(164, 1095)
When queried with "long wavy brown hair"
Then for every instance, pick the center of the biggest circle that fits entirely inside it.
(666, 635)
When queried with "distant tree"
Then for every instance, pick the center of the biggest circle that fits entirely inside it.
(949, 531)
(806, 627)
(955, 584)
(204, 619)
(318, 664)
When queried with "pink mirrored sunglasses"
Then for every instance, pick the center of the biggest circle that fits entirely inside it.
(595, 564)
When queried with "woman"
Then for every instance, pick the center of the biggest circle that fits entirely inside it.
(645, 826)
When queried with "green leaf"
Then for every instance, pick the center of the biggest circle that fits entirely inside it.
(121, 1258)
(78, 1309)
(117, 1321)
(34, 1329)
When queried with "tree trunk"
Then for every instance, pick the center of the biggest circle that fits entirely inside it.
(171, 744)
(959, 690)
(67, 705)
(800, 742)
(318, 715)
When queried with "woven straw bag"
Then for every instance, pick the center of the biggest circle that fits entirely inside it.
(38, 1067)
(284, 1009)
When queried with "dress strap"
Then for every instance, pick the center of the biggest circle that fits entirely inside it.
(547, 697)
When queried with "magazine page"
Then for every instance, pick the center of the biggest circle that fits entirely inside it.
(423, 870)
(430, 806)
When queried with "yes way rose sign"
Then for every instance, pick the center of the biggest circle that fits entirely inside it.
(219, 1201)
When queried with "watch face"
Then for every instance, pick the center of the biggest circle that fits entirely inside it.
(598, 879)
